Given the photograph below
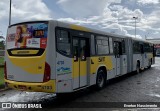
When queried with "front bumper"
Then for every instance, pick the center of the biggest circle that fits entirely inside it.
(49, 87)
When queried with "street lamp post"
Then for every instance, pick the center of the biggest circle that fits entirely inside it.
(135, 24)
(10, 12)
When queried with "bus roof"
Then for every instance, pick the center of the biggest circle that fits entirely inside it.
(82, 28)
(26, 22)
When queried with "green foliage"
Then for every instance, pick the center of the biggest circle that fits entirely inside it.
(1, 60)
(2, 45)
(1, 76)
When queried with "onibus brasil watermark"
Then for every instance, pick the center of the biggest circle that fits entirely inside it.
(20, 105)
(140, 105)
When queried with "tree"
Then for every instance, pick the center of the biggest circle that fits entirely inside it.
(2, 43)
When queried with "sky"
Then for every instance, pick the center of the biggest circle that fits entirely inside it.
(113, 16)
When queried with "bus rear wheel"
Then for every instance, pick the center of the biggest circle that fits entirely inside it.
(101, 80)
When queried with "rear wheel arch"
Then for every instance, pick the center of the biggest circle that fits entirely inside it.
(138, 61)
(101, 77)
(104, 69)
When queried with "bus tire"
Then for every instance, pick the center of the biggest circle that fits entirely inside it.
(100, 80)
(138, 68)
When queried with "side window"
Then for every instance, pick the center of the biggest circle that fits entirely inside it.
(136, 47)
(63, 42)
(123, 47)
(151, 47)
(147, 47)
(117, 48)
(92, 45)
(110, 45)
(102, 45)
(142, 48)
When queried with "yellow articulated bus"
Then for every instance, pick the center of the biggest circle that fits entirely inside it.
(56, 57)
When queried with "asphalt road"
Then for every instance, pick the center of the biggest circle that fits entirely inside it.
(143, 87)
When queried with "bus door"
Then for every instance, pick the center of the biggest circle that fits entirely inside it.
(80, 54)
(117, 49)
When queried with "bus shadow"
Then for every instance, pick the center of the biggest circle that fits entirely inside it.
(129, 75)
(68, 100)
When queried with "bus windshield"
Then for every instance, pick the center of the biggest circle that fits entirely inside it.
(27, 35)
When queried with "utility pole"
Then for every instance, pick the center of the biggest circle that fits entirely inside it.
(10, 12)
(135, 24)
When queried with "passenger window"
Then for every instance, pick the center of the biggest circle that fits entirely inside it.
(117, 51)
(105, 42)
(63, 42)
(123, 47)
(99, 42)
(142, 49)
(136, 47)
(92, 45)
(110, 45)
(102, 45)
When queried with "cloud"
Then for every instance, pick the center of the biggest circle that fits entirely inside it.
(74, 21)
(62, 1)
(105, 16)
(115, 16)
(22, 10)
(26, 11)
(82, 8)
(148, 1)
(3, 11)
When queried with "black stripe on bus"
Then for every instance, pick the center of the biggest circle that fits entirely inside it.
(39, 53)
